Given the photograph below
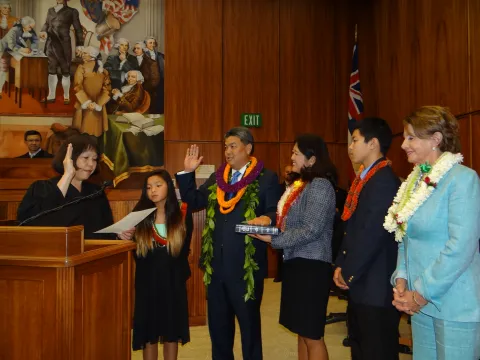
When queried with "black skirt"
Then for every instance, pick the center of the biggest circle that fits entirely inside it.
(305, 292)
(161, 306)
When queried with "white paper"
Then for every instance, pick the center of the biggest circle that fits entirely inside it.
(153, 130)
(134, 130)
(127, 222)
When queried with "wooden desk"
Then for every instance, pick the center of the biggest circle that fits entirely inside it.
(63, 298)
(31, 72)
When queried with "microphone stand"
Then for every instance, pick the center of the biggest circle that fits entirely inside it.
(74, 201)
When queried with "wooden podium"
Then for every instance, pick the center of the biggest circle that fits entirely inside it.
(62, 297)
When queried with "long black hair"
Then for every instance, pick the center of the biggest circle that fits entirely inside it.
(313, 145)
(173, 218)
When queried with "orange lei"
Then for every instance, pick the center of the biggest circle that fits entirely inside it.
(298, 187)
(354, 193)
(227, 207)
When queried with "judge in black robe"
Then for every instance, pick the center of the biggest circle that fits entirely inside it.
(76, 160)
(94, 214)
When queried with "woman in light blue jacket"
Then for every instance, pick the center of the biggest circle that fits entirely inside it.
(436, 220)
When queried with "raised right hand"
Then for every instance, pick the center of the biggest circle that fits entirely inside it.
(192, 160)
(68, 167)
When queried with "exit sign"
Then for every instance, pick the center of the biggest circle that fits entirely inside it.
(251, 119)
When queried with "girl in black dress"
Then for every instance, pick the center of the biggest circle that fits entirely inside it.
(163, 243)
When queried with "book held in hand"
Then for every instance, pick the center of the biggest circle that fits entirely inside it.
(256, 229)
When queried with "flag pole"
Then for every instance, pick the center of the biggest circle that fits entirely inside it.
(355, 32)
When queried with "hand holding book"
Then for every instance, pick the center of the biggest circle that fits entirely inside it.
(258, 228)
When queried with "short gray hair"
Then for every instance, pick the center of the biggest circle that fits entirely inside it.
(27, 20)
(122, 41)
(140, 77)
(150, 38)
(243, 134)
(141, 43)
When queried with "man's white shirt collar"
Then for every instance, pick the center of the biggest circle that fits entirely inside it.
(242, 170)
(35, 153)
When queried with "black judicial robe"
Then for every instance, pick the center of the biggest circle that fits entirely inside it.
(94, 214)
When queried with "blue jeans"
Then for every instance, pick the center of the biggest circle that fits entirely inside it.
(435, 339)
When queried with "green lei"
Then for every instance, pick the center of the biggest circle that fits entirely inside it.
(251, 202)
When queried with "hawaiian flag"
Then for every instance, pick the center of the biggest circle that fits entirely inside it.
(355, 99)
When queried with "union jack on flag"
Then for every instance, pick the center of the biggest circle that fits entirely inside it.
(355, 99)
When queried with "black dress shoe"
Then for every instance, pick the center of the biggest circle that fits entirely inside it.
(346, 342)
(66, 101)
(48, 101)
(277, 280)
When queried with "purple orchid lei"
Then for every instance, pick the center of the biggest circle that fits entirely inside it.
(247, 180)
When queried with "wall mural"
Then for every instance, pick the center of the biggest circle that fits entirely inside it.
(90, 66)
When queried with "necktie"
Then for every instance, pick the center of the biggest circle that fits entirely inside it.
(235, 177)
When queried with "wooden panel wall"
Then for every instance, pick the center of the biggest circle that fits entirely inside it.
(275, 57)
(415, 53)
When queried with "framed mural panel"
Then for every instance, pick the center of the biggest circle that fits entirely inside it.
(88, 66)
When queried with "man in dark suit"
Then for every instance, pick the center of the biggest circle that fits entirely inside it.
(368, 255)
(58, 48)
(119, 63)
(33, 139)
(227, 288)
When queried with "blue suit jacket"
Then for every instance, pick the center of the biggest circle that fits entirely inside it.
(439, 255)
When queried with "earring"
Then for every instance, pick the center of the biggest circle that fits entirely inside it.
(434, 148)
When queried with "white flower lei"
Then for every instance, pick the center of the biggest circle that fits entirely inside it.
(415, 191)
(285, 196)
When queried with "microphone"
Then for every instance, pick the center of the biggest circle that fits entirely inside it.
(74, 201)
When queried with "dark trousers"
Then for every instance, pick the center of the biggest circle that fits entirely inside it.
(278, 276)
(225, 301)
(373, 332)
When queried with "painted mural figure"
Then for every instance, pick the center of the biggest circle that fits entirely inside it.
(130, 97)
(6, 23)
(157, 105)
(92, 90)
(6, 19)
(120, 63)
(20, 38)
(150, 70)
(58, 47)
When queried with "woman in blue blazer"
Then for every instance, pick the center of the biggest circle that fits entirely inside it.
(436, 220)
